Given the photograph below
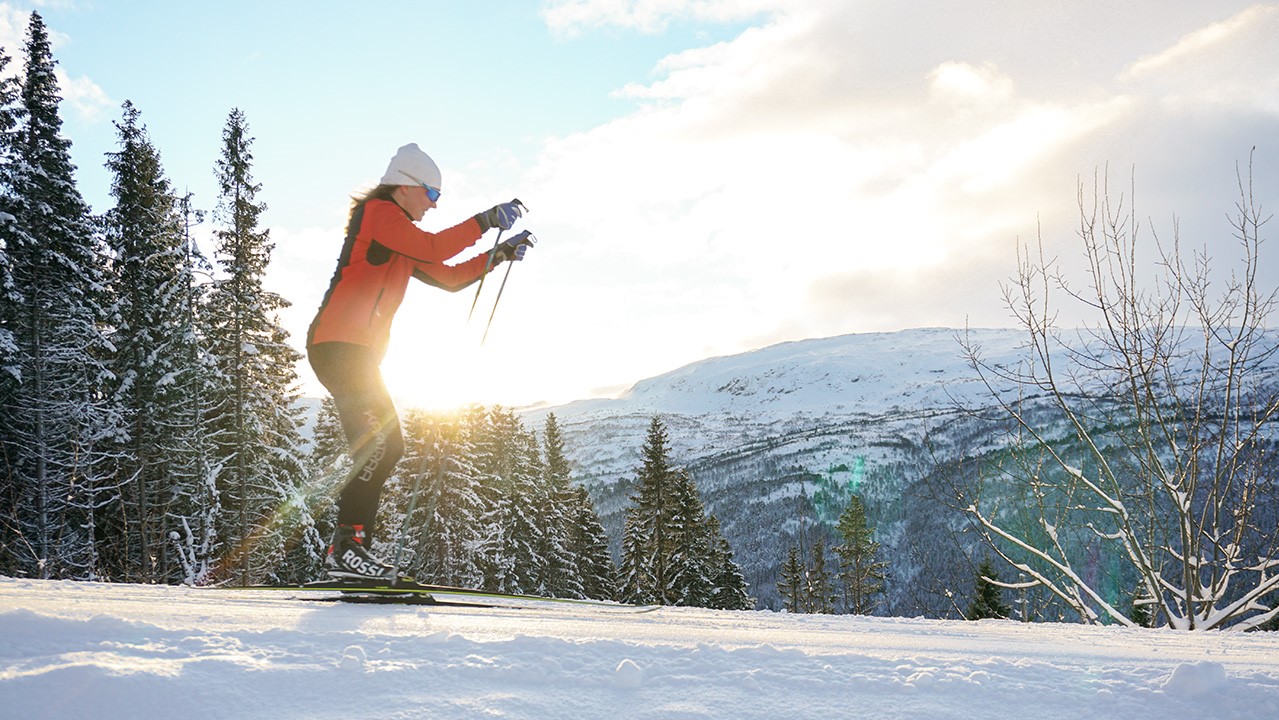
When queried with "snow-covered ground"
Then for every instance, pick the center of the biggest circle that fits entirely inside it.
(83, 650)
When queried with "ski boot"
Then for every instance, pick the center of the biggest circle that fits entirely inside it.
(349, 559)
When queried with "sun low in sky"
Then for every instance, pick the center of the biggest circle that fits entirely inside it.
(704, 177)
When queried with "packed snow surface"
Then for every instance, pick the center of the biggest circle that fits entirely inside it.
(84, 650)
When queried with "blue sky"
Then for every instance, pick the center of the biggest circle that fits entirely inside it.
(705, 177)
(329, 84)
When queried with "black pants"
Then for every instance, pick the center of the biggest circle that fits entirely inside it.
(351, 375)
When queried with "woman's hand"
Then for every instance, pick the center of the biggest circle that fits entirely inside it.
(500, 216)
(513, 248)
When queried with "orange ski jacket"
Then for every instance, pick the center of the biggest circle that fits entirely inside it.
(383, 249)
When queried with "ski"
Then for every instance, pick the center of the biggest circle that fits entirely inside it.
(408, 592)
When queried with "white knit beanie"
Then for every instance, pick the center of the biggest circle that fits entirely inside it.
(411, 166)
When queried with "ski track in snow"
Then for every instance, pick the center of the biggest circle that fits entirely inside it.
(85, 650)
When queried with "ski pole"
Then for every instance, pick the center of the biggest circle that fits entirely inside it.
(489, 265)
(500, 288)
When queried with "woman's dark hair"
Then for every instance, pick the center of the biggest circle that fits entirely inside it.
(381, 192)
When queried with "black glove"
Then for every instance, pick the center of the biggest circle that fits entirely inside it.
(514, 247)
(500, 216)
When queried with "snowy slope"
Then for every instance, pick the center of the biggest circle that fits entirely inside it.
(794, 387)
(83, 650)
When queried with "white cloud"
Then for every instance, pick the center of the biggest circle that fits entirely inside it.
(1230, 63)
(1254, 23)
(56, 4)
(839, 167)
(13, 32)
(81, 94)
(84, 96)
(963, 83)
(575, 16)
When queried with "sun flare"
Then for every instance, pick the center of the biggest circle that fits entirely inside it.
(437, 362)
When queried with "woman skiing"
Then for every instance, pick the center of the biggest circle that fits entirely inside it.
(349, 336)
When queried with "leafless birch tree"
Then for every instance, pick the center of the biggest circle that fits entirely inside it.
(1148, 437)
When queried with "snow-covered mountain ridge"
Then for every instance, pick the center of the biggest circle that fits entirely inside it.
(781, 395)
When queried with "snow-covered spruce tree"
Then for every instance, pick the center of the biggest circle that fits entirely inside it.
(481, 519)
(792, 585)
(861, 573)
(476, 494)
(557, 514)
(1147, 439)
(512, 534)
(988, 602)
(329, 448)
(820, 588)
(588, 545)
(284, 449)
(729, 589)
(195, 508)
(328, 467)
(253, 416)
(646, 539)
(444, 536)
(313, 503)
(668, 551)
(58, 426)
(10, 304)
(152, 367)
(691, 576)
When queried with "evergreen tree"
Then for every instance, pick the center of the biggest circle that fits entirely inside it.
(455, 500)
(512, 561)
(328, 466)
(637, 580)
(988, 601)
(59, 428)
(484, 453)
(860, 572)
(668, 548)
(646, 538)
(315, 501)
(820, 588)
(729, 583)
(557, 514)
(793, 585)
(588, 545)
(690, 577)
(329, 447)
(152, 365)
(253, 416)
(10, 304)
(281, 449)
(482, 519)
(196, 507)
